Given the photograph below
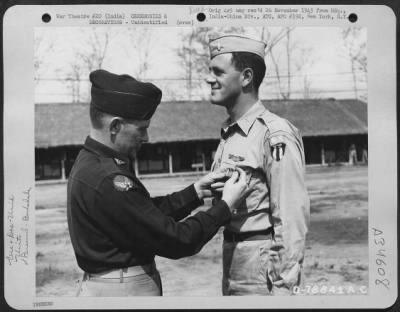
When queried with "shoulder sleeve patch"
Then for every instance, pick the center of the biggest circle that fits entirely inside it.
(122, 183)
(278, 151)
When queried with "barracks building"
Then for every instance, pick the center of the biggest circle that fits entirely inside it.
(185, 134)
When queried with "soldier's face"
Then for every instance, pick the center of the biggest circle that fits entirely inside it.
(224, 80)
(132, 135)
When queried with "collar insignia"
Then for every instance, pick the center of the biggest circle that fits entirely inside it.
(119, 161)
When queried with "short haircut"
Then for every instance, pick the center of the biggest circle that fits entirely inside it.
(242, 60)
(97, 117)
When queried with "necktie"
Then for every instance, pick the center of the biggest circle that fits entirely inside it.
(226, 134)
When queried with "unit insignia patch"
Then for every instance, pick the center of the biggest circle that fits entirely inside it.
(122, 183)
(277, 151)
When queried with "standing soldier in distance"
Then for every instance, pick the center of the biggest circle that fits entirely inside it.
(116, 228)
(263, 248)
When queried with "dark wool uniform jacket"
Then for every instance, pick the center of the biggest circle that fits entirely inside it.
(114, 223)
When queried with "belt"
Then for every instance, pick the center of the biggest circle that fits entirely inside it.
(248, 236)
(124, 272)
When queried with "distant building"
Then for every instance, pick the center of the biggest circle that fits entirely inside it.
(184, 135)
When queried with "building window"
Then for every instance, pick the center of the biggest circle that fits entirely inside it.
(50, 170)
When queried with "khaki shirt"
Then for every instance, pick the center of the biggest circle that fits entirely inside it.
(270, 150)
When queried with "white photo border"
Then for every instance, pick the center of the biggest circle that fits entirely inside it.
(19, 165)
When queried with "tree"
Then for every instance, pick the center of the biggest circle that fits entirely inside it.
(355, 44)
(141, 42)
(42, 48)
(74, 78)
(272, 41)
(94, 54)
(304, 62)
(285, 53)
(87, 58)
(193, 55)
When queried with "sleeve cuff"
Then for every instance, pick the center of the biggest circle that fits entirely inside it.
(220, 212)
(190, 193)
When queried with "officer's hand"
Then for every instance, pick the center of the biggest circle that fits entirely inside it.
(203, 186)
(236, 189)
(218, 186)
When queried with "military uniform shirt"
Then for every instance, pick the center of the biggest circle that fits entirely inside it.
(114, 223)
(270, 150)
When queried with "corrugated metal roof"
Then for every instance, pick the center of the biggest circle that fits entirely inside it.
(68, 123)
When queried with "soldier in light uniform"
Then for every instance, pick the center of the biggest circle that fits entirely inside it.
(116, 227)
(263, 248)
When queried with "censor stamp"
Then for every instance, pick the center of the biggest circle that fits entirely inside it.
(330, 290)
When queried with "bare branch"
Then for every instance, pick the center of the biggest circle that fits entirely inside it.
(278, 76)
(355, 44)
(42, 49)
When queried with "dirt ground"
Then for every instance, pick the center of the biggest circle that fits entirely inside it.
(337, 243)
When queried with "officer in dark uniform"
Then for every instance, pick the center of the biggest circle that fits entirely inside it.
(116, 228)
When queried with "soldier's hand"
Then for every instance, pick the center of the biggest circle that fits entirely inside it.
(236, 189)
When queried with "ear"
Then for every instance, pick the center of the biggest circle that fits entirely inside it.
(247, 77)
(115, 125)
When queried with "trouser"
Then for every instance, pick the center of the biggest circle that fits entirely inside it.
(252, 268)
(132, 281)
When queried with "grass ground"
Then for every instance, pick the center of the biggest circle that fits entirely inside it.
(337, 243)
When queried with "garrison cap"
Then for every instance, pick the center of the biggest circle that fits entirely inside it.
(123, 95)
(236, 43)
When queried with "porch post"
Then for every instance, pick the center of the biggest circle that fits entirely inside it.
(63, 160)
(203, 160)
(170, 162)
(136, 166)
(322, 154)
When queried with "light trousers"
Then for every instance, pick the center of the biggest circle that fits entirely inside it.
(252, 268)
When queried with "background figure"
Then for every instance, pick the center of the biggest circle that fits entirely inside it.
(352, 155)
(365, 155)
(116, 228)
(264, 243)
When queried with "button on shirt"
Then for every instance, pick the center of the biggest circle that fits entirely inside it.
(270, 150)
(114, 223)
